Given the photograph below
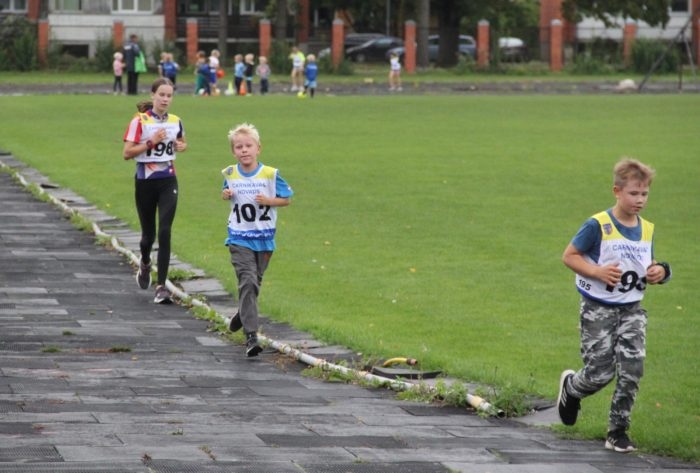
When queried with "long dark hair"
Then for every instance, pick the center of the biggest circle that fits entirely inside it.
(146, 105)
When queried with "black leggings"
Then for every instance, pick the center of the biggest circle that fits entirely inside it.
(156, 195)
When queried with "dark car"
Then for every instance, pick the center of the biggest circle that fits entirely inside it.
(467, 47)
(374, 49)
(352, 40)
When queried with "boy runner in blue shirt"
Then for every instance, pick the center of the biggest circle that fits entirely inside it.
(613, 258)
(255, 191)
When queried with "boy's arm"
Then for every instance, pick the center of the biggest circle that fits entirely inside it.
(573, 258)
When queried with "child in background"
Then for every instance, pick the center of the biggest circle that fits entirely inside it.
(249, 72)
(214, 65)
(167, 67)
(238, 72)
(613, 257)
(118, 68)
(394, 72)
(297, 74)
(254, 191)
(263, 71)
(203, 75)
(310, 74)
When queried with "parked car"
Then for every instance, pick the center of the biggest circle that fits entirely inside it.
(513, 49)
(351, 40)
(374, 49)
(467, 47)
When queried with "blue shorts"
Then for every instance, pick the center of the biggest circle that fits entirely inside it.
(311, 84)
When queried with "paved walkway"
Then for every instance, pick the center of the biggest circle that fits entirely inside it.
(96, 378)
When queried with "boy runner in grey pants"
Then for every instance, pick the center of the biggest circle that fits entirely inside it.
(613, 258)
(255, 191)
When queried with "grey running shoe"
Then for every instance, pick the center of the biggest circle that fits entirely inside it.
(143, 277)
(252, 347)
(618, 441)
(163, 296)
(567, 404)
(234, 324)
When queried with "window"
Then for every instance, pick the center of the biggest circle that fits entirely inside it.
(132, 5)
(67, 5)
(13, 5)
(680, 6)
(252, 7)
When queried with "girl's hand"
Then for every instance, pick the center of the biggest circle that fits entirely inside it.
(262, 199)
(226, 194)
(159, 136)
(180, 145)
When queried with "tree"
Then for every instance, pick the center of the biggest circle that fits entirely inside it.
(423, 25)
(653, 12)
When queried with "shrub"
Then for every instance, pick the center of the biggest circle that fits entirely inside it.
(18, 44)
(344, 68)
(104, 55)
(587, 63)
(645, 52)
(279, 57)
(465, 65)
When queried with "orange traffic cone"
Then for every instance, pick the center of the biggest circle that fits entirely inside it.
(242, 89)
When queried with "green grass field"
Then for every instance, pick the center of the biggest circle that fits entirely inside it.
(426, 226)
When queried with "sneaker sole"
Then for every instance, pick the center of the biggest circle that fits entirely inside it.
(234, 324)
(163, 300)
(562, 378)
(138, 280)
(253, 351)
(612, 447)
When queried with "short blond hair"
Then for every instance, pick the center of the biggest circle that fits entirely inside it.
(628, 169)
(245, 129)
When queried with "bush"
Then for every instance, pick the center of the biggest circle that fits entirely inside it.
(279, 57)
(18, 44)
(587, 63)
(645, 52)
(104, 55)
(465, 65)
(344, 68)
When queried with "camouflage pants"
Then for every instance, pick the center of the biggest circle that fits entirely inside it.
(613, 341)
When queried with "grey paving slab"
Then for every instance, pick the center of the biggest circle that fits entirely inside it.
(96, 378)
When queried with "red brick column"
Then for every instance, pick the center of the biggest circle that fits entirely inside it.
(33, 10)
(192, 40)
(265, 36)
(302, 22)
(629, 35)
(555, 46)
(482, 44)
(43, 42)
(409, 45)
(118, 34)
(170, 20)
(549, 10)
(338, 42)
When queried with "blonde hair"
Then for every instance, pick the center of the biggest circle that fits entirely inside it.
(628, 169)
(311, 58)
(245, 129)
(118, 55)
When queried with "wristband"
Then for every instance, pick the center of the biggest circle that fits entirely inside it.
(667, 271)
(149, 144)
